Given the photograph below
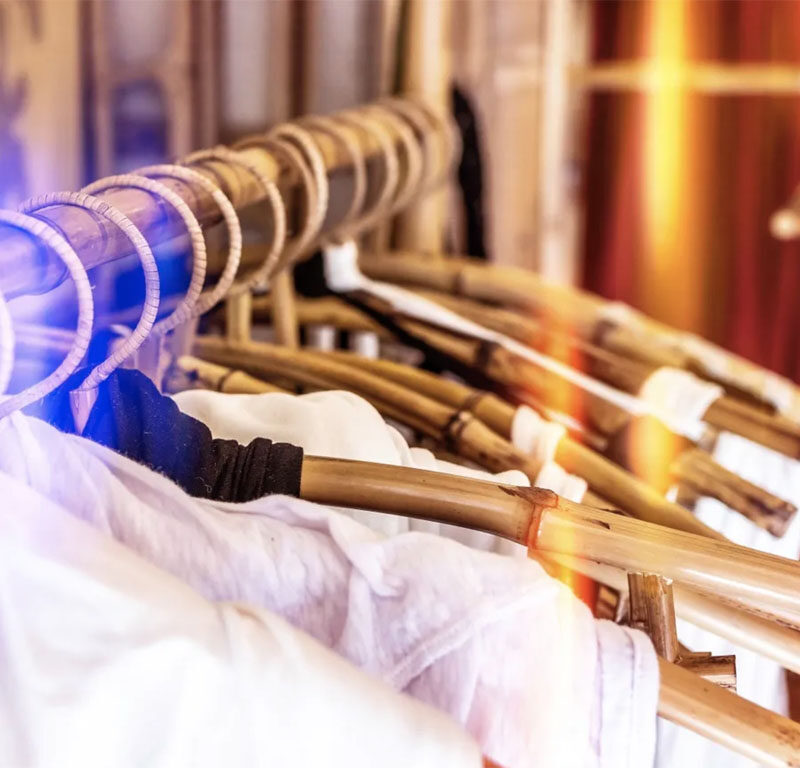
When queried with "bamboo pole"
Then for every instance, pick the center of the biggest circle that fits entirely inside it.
(25, 269)
(547, 523)
(720, 670)
(696, 469)
(763, 508)
(513, 524)
(518, 514)
(692, 467)
(222, 379)
(450, 426)
(721, 716)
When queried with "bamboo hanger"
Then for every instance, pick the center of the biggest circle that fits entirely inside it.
(763, 636)
(221, 379)
(694, 467)
(606, 478)
(727, 413)
(255, 357)
(684, 698)
(583, 315)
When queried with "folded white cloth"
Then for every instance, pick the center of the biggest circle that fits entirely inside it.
(110, 661)
(492, 641)
(759, 679)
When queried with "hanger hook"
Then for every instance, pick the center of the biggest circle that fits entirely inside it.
(314, 213)
(425, 127)
(183, 311)
(305, 142)
(342, 134)
(448, 133)
(415, 162)
(391, 164)
(267, 268)
(53, 240)
(150, 308)
(207, 299)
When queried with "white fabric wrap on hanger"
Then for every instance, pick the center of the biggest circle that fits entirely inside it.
(776, 390)
(555, 478)
(342, 275)
(720, 363)
(539, 438)
(534, 435)
(681, 395)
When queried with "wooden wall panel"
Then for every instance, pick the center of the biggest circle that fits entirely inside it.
(40, 98)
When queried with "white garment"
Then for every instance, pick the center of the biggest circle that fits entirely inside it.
(758, 679)
(492, 641)
(108, 661)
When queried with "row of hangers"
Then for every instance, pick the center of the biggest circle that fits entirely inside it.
(412, 149)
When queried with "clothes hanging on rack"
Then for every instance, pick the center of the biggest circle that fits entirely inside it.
(108, 660)
(131, 416)
(505, 650)
(339, 425)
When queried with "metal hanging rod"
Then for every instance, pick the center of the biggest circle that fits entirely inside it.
(26, 268)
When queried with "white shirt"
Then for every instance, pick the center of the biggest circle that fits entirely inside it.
(109, 661)
(493, 641)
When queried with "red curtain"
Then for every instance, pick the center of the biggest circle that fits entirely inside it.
(741, 163)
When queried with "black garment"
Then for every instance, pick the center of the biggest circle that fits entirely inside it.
(133, 418)
(470, 173)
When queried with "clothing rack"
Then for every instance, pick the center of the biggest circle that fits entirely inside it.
(534, 517)
(26, 269)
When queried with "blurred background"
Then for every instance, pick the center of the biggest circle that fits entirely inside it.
(635, 147)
